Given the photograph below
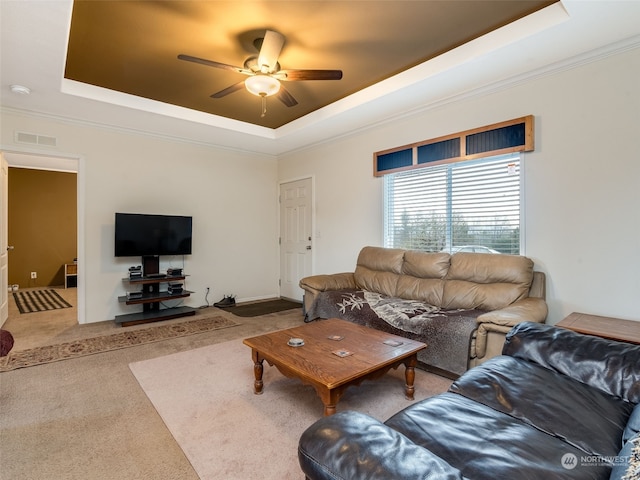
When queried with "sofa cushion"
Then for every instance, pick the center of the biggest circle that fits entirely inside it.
(378, 269)
(328, 449)
(425, 264)
(486, 281)
(427, 290)
(485, 444)
(613, 367)
(551, 402)
(423, 277)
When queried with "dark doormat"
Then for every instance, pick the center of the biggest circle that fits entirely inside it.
(30, 301)
(263, 308)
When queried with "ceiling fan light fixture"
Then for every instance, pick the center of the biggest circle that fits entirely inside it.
(262, 85)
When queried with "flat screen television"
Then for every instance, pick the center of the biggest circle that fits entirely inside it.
(144, 235)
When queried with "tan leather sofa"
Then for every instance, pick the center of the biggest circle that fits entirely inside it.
(492, 292)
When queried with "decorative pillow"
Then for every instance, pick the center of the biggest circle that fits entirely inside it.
(6, 342)
(627, 466)
(633, 425)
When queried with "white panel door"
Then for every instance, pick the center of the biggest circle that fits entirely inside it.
(4, 240)
(295, 236)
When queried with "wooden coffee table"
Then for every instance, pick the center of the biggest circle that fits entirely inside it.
(316, 364)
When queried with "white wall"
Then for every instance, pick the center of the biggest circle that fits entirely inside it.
(582, 199)
(231, 196)
(582, 183)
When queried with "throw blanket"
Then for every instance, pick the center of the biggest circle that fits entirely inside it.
(447, 333)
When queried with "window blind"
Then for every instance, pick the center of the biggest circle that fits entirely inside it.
(472, 205)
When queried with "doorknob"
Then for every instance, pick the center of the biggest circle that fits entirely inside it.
(308, 247)
(10, 247)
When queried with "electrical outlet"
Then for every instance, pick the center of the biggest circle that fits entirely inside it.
(34, 274)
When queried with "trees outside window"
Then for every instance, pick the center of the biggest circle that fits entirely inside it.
(472, 205)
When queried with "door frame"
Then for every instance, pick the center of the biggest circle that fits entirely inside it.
(313, 223)
(4, 243)
(61, 162)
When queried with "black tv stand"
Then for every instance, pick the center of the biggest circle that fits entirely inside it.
(156, 275)
(150, 265)
(152, 297)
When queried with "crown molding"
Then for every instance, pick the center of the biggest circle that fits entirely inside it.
(489, 88)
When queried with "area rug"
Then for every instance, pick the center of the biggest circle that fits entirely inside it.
(30, 301)
(205, 397)
(106, 343)
(263, 308)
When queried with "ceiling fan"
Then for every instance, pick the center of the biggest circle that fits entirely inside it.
(264, 72)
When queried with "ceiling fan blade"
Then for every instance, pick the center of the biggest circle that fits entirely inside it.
(299, 75)
(211, 63)
(270, 51)
(228, 90)
(285, 97)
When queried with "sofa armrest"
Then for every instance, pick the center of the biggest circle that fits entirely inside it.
(351, 445)
(610, 366)
(489, 341)
(322, 283)
(528, 309)
(499, 322)
(315, 284)
(538, 285)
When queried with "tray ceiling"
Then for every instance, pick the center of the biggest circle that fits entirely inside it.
(132, 46)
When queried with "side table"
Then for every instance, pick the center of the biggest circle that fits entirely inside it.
(605, 327)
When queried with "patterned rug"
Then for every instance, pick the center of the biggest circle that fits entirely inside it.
(106, 343)
(30, 301)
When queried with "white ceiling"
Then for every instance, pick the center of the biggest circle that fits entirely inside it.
(34, 36)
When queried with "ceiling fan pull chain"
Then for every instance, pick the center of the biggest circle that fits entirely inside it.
(264, 105)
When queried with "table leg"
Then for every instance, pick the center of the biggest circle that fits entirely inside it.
(330, 398)
(257, 371)
(329, 410)
(410, 376)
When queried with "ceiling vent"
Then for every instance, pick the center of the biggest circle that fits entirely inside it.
(35, 139)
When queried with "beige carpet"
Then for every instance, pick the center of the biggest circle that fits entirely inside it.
(205, 397)
(87, 417)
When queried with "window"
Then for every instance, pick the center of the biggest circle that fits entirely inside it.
(463, 206)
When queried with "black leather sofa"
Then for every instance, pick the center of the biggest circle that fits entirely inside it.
(556, 405)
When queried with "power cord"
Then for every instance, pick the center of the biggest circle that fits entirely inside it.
(206, 300)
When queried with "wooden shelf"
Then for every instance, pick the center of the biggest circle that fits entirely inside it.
(151, 280)
(151, 299)
(70, 275)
